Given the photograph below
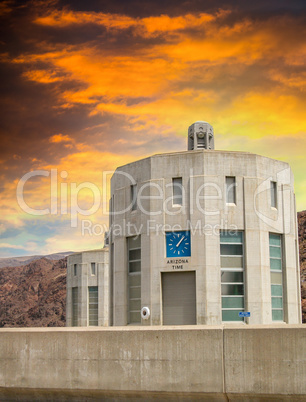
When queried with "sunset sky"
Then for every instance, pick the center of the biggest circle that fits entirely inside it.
(90, 85)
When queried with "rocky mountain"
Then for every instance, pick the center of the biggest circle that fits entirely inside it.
(302, 246)
(34, 294)
(18, 261)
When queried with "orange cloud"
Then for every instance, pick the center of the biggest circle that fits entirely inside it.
(42, 76)
(294, 80)
(56, 138)
(145, 26)
(64, 18)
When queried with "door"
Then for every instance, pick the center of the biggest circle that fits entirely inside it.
(179, 298)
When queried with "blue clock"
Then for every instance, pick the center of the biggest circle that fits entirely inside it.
(178, 244)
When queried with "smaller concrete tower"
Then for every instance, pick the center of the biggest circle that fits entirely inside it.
(200, 136)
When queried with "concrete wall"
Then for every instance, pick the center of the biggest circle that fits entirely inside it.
(196, 362)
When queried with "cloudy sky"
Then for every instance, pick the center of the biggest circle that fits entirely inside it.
(90, 85)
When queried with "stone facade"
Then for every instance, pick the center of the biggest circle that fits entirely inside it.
(205, 211)
(88, 278)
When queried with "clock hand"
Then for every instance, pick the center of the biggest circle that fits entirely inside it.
(180, 241)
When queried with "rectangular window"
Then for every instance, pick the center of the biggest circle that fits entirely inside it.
(232, 275)
(111, 281)
(134, 279)
(273, 194)
(93, 305)
(134, 197)
(74, 269)
(106, 238)
(93, 268)
(111, 209)
(75, 295)
(276, 275)
(177, 191)
(230, 190)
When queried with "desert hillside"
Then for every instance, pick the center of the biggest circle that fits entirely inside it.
(33, 295)
(302, 245)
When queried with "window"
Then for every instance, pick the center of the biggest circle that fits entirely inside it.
(93, 268)
(111, 209)
(134, 197)
(230, 190)
(210, 142)
(74, 269)
(106, 238)
(191, 142)
(273, 194)
(93, 305)
(75, 295)
(111, 281)
(177, 191)
(232, 275)
(134, 279)
(276, 273)
(200, 140)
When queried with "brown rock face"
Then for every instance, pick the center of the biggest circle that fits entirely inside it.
(33, 295)
(302, 245)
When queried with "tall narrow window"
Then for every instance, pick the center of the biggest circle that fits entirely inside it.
(232, 275)
(93, 305)
(230, 190)
(111, 209)
(74, 269)
(177, 190)
(134, 197)
(93, 268)
(134, 279)
(111, 281)
(276, 272)
(75, 295)
(200, 140)
(273, 194)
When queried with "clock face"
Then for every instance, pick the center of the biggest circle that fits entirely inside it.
(178, 244)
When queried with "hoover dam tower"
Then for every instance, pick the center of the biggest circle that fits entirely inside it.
(203, 235)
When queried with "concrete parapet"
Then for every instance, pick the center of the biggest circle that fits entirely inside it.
(265, 360)
(189, 362)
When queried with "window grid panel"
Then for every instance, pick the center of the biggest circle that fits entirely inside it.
(92, 305)
(232, 275)
(134, 280)
(75, 295)
(275, 249)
